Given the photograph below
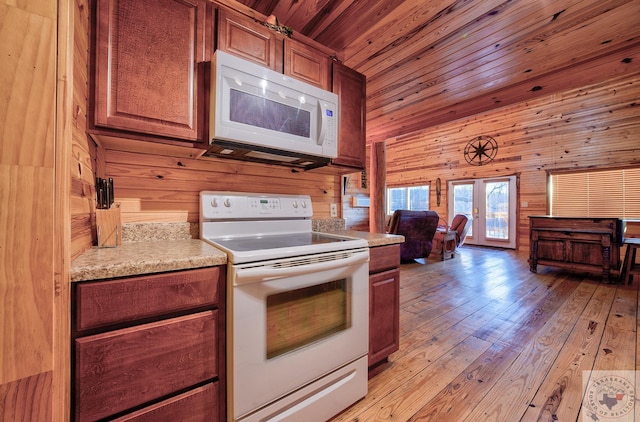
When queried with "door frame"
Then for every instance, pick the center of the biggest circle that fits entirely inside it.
(478, 223)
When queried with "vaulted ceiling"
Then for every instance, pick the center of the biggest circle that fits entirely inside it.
(432, 61)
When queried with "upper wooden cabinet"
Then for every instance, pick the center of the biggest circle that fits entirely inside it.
(251, 40)
(243, 37)
(151, 76)
(351, 89)
(147, 78)
(307, 64)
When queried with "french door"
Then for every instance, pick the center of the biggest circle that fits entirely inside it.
(491, 204)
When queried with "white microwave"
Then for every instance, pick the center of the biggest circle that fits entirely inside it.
(258, 114)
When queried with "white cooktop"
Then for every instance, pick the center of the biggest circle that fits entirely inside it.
(252, 227)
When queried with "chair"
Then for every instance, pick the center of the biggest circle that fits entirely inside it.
(630, 268)
(461, 225)
(446, 243)
(418, 229)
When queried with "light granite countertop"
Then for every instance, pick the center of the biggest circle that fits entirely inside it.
(146, 257)
(374, 239)
(168, 247)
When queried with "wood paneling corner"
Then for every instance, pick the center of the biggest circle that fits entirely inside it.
(27, 183)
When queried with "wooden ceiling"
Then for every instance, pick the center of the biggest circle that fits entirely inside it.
(433, 61)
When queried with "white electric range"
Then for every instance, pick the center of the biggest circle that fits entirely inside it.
(297, 304)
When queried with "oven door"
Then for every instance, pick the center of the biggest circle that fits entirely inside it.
(294, 321)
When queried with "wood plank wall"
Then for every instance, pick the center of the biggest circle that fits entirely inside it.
(355, 185)
(156, 188)
(597, 126)
(84, 164)
(27, 176)
(159, 188)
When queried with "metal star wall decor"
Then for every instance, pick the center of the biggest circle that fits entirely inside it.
(480, 150)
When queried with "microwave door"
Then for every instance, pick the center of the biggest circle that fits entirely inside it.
(271, 119)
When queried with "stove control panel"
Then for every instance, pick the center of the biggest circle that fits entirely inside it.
(240, 205)
(265, 204)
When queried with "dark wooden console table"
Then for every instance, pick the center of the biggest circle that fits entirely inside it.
(585, 244)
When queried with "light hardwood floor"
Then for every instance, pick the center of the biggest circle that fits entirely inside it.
(484, 339)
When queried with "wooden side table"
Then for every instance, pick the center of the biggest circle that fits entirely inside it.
(448, 243)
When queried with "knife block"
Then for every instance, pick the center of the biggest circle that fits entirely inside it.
(109, 227)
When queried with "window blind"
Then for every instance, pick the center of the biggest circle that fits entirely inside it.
(605, 193)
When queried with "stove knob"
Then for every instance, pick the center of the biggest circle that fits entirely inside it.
(214, 202)
(295, 204)
(227, 202)
(304, 204)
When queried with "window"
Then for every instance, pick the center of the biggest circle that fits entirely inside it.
(605, 193)
(414, 198)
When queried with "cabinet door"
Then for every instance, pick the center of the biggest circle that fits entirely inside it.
(243, 37)
(307, 64)
(146, 72)
(384, 315)
(351, 89)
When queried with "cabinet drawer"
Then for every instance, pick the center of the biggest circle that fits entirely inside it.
(117, 370)
(103, 303)
(384, 257)
(199, 404)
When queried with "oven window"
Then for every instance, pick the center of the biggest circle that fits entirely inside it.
(261, 112)
(298, 317)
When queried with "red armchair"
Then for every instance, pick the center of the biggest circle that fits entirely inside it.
(418, 229)
(461, 225)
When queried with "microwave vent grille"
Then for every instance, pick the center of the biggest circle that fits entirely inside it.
(238, 151)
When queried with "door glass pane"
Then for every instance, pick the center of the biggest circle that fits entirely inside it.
(264, 113)
(299, 317)
(497, 210)
(463, 202)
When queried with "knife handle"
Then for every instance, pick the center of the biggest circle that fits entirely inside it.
(99, 193)
(107, 198)
(110, 191)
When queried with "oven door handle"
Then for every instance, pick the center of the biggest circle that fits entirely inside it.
(270, 272)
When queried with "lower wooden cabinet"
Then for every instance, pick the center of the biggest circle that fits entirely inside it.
(197, 405)
(384, 302)
(166, 362)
